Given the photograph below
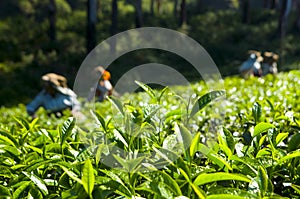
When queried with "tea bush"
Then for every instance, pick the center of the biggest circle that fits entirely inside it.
(241, 142)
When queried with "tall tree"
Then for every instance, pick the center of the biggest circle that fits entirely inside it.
(270, 4)
(138, 13)
(273, 4)
(246, 11)
(152, 7)
(158, 6)
(175, 10)
(286, 6)
(52, 20)
(114, 24)
(298, 14)
(183, 16)
(91, 24)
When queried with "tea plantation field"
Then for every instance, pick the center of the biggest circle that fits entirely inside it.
(240, 142)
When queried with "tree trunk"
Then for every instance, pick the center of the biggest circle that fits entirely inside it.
(138, 14)
(176, 8)
(286, 6)
(273, 4)
(52, 20)
(246, 11)
(282, 25)
(72, 4)
(183, 18)
(199, 6)
(266, 4)
(158, 6)
(114, 24)
(152, 7)
(298, 14)
(91, 24)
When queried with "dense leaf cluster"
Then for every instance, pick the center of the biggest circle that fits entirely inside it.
(239, 143)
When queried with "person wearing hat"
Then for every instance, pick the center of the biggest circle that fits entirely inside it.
(55, 96)
(104, 87)
(269, 65)
(252, 66)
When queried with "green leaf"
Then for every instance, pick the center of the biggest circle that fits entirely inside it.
(229, 139)
(70, 173)
(183, 135)
(35, 193)
(194, 145)
(198, 191)
(215, 158)
(22, 187)
(4, 191)
(23, 123)
(262, 127)
(256, 111)
(213, 177)
(13, 150)
(38, 182)
(224, 196)
(280, 137)
(129, 164)
(294, 142)
(262, 180)
(101, 120)
(162, 93)
(66, 129)
(88, 177)
(205, 100)
(6, 140)
(117, 179)
(263, 152)
(147, 89)
(171, 183)
(262, 140)
(117, 103)
(296, 188)
(119, 136)
(289, 156)
(10, 137)
(35, 149)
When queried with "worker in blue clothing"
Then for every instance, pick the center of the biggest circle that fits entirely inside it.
(55, 97)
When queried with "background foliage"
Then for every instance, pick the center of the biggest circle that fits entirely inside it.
(27, 52)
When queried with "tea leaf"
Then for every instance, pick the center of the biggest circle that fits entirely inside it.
(147, 88)
(256, 111)
(88, 177)
(194, 144)
(21, 189)
(294, 142)
(280, 137)
(296, 188)
(197, 190)
(37, 181)
(213, 177)
(294, 154)
(262, 180)
(183, 135)
(117, 103)
(224, 196)
(66, 129)
(205, 100)
(262, 127)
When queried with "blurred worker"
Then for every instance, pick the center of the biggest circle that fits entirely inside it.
(104, 87)
(55, 96)
(252, 66)
(269, 65)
